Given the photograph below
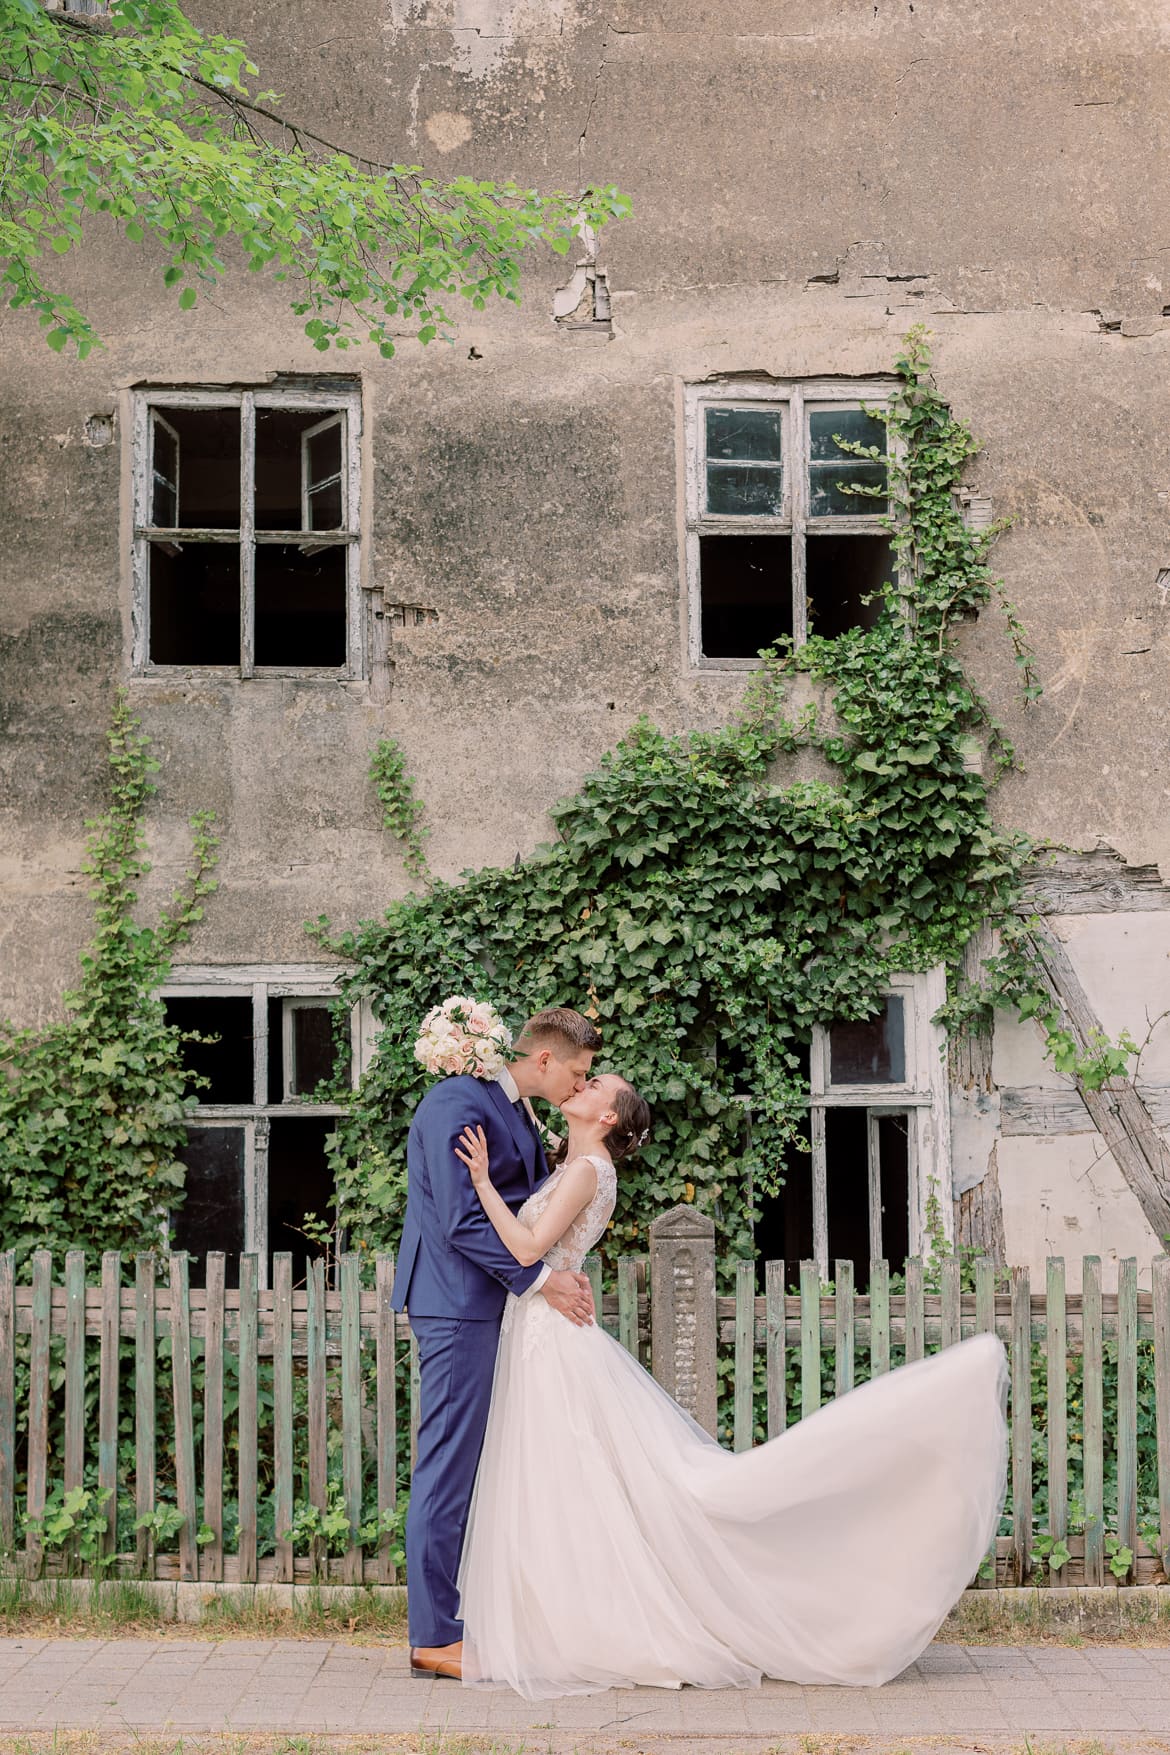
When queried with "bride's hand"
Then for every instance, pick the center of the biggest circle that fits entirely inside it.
(474, 1154)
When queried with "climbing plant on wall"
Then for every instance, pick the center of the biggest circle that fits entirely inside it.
(709, 915)
(93, 1106)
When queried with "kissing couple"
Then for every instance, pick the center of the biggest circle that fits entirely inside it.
(571, 1528)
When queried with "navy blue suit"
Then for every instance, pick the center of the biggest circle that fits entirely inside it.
(453, 1276)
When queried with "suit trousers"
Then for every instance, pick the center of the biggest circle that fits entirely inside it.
(456, 1363)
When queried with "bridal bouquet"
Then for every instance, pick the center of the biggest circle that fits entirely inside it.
(464, 1036)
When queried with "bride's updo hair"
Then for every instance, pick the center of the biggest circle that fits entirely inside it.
(632, 1129)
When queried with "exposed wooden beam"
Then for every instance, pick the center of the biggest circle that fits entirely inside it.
(1117, 1110)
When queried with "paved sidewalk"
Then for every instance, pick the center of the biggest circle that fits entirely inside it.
(290, 1685)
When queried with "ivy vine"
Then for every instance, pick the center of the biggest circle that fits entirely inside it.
(401, 806)
(93, 1107)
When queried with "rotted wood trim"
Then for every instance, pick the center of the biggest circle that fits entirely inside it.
(1045, 1109)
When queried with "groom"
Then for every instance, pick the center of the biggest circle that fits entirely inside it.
(453, 1275)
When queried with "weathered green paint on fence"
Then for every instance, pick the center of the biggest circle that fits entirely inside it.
(309, 1362)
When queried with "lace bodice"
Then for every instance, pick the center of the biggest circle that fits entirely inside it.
(590, 1222)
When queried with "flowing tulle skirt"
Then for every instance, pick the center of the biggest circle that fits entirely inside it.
(611, 1541)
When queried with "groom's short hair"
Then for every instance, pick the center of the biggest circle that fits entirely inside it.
(558, 1028)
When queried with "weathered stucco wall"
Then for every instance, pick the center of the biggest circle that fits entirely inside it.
(808, 180)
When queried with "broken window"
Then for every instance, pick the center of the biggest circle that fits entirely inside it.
(263, 1049)
(877, 1138)
(246, 531)
(785, 519)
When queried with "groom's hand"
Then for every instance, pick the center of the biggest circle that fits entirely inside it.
(571, 1294)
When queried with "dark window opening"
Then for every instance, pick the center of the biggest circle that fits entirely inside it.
(299, 1182)
(300, 606)
(212, 1214)
(847, 1186)
(893, 1132)
(784, 1229)
(746, 593)
(207, 441)
(870, 1051)
(194, 603)
(840, 573)
(225, 1062)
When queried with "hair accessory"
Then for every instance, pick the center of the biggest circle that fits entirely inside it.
(642, 1138)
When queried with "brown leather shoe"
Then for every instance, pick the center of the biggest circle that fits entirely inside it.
(437, 1660)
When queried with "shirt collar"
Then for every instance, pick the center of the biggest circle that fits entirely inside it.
(508, 1085)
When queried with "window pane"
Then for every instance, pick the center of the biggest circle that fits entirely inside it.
(164, 510)
(746, 435)
(280, 466)
(209, 466)
(324, 450)
(325, 506)
(227, 1061)
(826, 425)
(872, 1051)
(841, 573)
(300, 606)
(313, 1053)
(212, 1215)
(194, 602)
(745, 590)
(740, 488)
(827, 500)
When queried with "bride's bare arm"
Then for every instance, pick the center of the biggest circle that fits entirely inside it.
(575, 1190)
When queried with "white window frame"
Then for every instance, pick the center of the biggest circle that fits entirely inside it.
(795, 401)
(923, 1098)
(335, 403)
(294, 983)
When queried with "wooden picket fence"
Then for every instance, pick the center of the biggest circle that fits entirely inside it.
(319, 1371)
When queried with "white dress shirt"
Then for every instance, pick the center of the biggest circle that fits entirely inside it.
(508, 1086)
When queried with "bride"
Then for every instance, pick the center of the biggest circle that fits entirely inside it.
(612, 1541)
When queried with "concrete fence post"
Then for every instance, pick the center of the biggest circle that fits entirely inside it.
(682, 1311)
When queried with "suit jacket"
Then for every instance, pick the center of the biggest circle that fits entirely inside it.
(450, 1261)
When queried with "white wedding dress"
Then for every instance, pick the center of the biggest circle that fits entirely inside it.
(611, 1541)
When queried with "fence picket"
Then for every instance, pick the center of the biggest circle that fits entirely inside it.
(247, 1441)
(1162, 1401)
(1057, 1388)
(108, 1394)
(879, 1318)
(74, 1369)
(1127, 1403)
(915, 1314)
(318, 1433)
(1093, 1384)
(387, 1413)
(145, 1407)
(745, 1352)
(951, 1324)
(351, 1413)
(282, 1411)
(810, 1338)
(775, 1346)
(627, 1295)
(211, 1555)
(184, 1418)
(7, 1401)
(984, 1296)
(843, 1327)
(38, 1402)
(1021, 1424)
